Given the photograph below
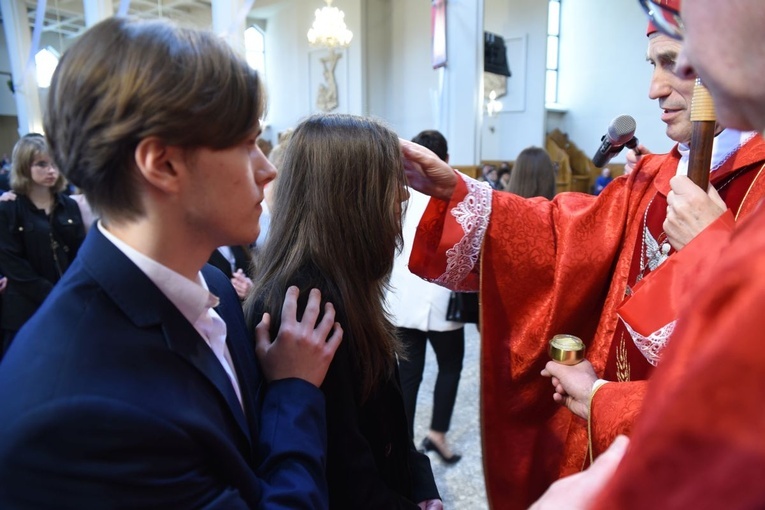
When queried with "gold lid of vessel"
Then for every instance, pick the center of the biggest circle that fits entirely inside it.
(566, 349)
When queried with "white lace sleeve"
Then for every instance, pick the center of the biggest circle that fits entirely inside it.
(473, 216)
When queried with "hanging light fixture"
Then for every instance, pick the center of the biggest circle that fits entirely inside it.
(492, 105)
(328, 29)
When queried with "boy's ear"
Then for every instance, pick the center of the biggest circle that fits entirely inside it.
(162, 165)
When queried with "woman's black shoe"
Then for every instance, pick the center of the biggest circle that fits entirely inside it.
(430, 446)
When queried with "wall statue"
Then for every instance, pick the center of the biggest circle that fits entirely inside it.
(327, 98)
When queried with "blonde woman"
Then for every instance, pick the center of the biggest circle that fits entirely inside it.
(40, 233)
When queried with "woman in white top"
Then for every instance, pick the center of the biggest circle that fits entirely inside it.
(418, 310)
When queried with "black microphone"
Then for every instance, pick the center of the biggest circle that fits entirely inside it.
(621, 132)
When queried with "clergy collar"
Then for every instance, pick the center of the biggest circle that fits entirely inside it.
(724, 146)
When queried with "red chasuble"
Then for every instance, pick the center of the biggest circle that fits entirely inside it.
(655, 300)
(546, 267)
(699, 440)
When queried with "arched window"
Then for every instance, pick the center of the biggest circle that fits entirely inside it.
(553, 47)
(255, 48)
(46, 61)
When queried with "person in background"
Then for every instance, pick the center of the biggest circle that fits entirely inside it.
(602, 181)
(5, 173)
(41, 231)
(277, 153)
(265, 146)
(276, 158)
(536, 283)
(504, 173)
(533, 174)
(418, 310)
(489, 175)
(136, 383)
(88, 217)
(336, 225)
(234, 262)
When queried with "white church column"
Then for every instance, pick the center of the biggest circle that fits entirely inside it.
(462, 81)
(19, 41)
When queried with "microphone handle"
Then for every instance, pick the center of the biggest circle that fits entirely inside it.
(606, 151)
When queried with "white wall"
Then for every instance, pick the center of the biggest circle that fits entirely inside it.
(508, 133)
(461, 100)
(378, 37)
(603, 73)
(397, 65)
(405, 90)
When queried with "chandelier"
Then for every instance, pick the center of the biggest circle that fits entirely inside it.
(328, 29)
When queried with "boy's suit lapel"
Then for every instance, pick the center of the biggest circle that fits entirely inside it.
(145, 305)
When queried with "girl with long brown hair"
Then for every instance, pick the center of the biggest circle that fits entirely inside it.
(336, 225)
(533, 174)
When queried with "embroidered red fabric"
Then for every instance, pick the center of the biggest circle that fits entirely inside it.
(547, 267)
(699, 442)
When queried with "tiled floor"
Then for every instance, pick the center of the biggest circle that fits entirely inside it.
(461, 485)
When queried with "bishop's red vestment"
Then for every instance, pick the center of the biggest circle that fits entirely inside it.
(550, 267)
(699, 444)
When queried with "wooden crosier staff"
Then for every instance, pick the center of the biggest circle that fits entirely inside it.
(703, 121)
